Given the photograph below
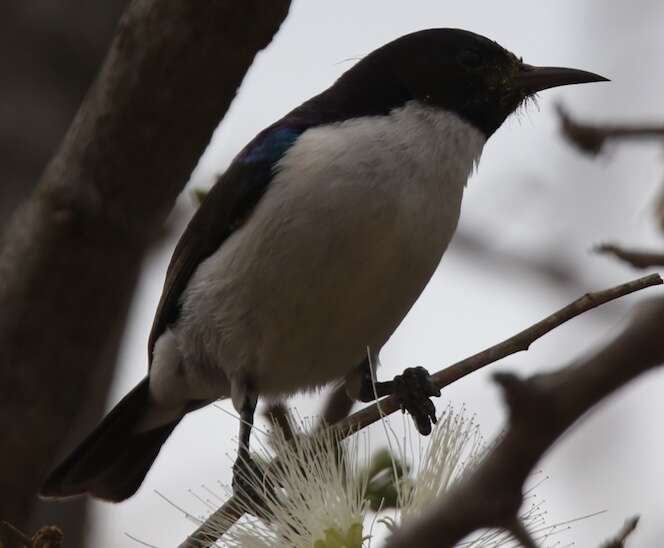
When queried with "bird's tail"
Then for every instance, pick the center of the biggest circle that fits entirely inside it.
(113, 460)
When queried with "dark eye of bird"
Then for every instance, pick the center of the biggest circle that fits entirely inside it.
(470, 58)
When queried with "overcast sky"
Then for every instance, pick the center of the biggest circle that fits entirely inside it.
(533, 196)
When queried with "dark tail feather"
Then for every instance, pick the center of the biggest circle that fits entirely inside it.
(114, 459)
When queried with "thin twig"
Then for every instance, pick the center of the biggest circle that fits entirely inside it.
(202, 537)
(517, 343)
(591, 138)
(638, 258)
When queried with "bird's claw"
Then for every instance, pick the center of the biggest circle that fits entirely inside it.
(413, 389)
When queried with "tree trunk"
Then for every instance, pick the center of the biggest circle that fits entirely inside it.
(71, 255)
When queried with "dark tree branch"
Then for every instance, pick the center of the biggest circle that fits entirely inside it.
(52, 51)
(638, 258)
(542, 408)
(72, 254)
(206, 535)
(591, 138)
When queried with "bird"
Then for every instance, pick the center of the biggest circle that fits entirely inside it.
(312, 246)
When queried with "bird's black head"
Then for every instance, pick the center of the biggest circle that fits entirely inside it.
(456, 70)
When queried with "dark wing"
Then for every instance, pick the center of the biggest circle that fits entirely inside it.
(225, 207)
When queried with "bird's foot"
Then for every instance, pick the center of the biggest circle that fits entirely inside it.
(251, 484)
(413, 389)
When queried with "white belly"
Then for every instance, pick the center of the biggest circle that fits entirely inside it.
(337, 251)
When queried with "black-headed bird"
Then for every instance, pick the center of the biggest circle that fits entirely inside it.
(312, 247)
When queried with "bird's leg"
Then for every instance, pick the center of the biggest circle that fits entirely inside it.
(413, 389)
(248, 476)
(246, 424)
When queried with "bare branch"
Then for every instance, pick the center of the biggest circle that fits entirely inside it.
(223, 518)
(49, 65)
(557, 270)
(623, 534)
(591, 138)
(542, 408)
(517, 343)
(638, 258)
(201, 538)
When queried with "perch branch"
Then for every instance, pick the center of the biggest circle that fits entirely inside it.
(517, 343)
(203, 538)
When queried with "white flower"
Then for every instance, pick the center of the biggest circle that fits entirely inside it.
(325, 496)
(319, 501)
(454, 447)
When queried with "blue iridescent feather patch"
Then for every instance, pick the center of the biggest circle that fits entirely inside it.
(270, 146)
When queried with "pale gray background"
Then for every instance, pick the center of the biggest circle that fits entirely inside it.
(533, 196)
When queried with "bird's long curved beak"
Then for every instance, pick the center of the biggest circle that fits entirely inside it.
(532, 79)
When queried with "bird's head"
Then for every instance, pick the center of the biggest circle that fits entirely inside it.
(461, 72)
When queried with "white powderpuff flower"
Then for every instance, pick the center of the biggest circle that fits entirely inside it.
(325, 491)
(319, 498)
(455, 447)
(453, 450)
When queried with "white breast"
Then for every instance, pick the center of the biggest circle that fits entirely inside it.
(332, 258)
